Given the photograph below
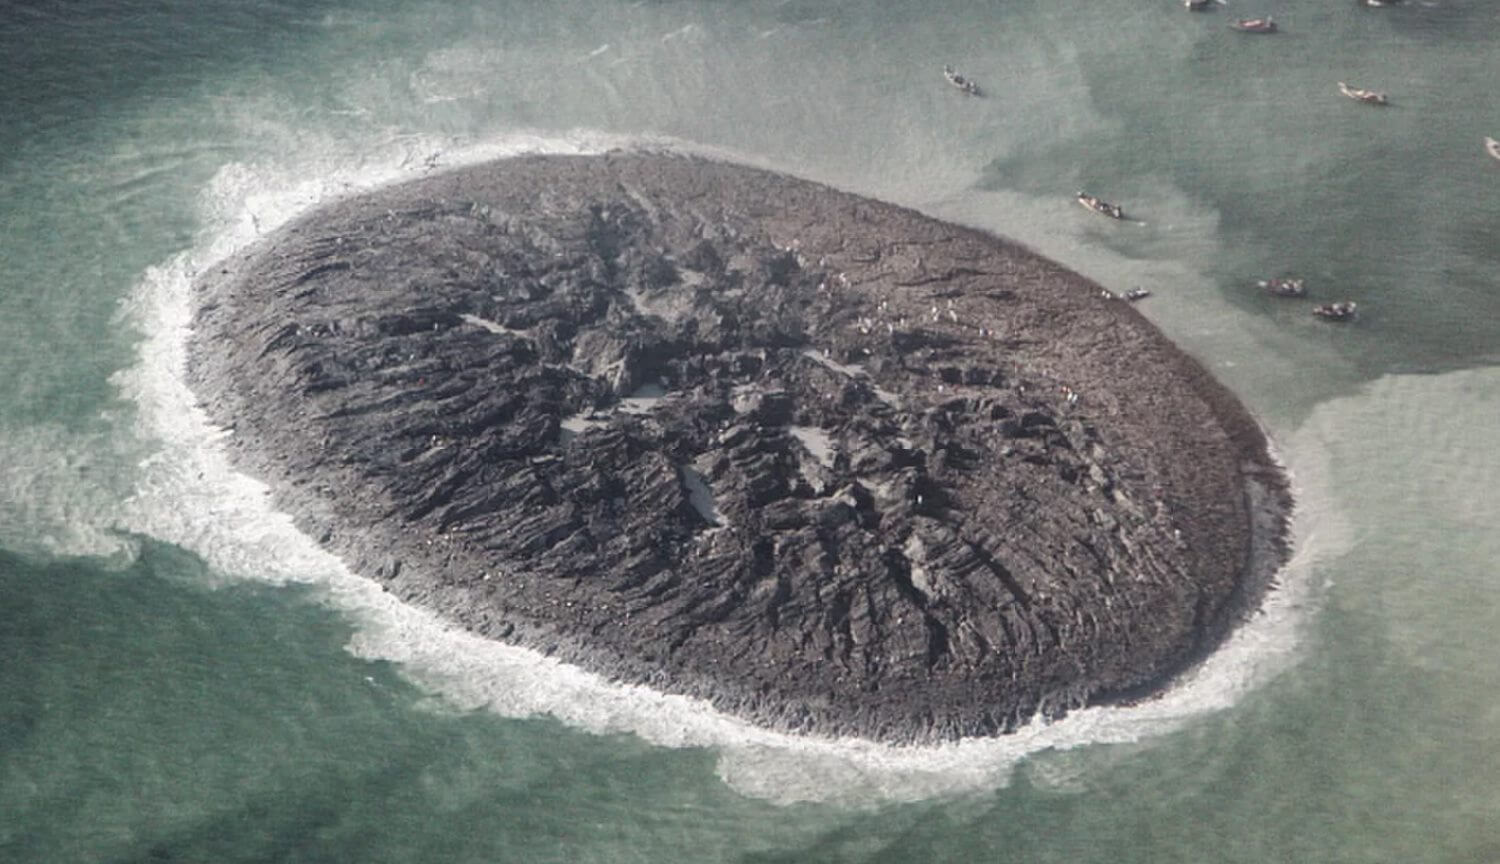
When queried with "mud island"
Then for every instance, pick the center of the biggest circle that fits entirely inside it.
(829, 464)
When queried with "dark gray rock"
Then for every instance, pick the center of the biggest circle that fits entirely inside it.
(1028, 498)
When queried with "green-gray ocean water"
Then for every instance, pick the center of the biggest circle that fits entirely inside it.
(184, 678)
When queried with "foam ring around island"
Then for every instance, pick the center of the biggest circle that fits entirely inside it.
(1023, 498)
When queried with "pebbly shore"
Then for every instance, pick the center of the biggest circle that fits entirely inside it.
(829, 464)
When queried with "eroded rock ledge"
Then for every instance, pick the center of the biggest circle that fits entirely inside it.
(825, 462)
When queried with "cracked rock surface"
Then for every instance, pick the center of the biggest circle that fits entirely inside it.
(827, 463)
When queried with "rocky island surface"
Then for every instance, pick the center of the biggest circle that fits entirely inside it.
(827, 463)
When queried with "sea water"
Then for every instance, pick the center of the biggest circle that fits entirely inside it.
(183, 676)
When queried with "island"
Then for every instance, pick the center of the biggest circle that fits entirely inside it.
(831, 465)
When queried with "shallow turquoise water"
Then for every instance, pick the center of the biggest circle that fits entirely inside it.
(184, 678)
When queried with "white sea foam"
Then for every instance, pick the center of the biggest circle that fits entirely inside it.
(188, 494)
(58, 494)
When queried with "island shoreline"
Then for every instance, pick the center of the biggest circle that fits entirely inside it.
(313, 486)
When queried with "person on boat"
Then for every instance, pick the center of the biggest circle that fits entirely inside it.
(1336, 311)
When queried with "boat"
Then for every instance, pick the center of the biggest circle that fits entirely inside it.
(1137, 294)
(1255, 25)
(1283, 287)
(1492, 147)
(1375, 4)
(1336, 311)
(1100, 206)
(1197, 5)
(1369, 97)
(962, 83)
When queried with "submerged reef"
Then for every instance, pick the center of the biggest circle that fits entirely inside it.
(827, 463)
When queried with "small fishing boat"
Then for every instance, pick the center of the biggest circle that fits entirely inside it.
(1369, 97)
(959, 81)
(1137, 294)
(1492, 147)
(1336, 311)
(1197, 5)
(1255, 25)
(1375, 4)
(1283, 287)
(1098, 205)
